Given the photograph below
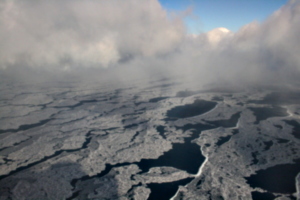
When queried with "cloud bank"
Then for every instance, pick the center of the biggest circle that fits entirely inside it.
(134, 36)
(83, 33)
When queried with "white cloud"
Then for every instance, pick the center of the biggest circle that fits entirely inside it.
(136, 37)
(216, 35)
(87, 33)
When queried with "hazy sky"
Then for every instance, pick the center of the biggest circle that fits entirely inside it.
(231, 14)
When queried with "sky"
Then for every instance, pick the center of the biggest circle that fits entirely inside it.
(134, 38)
(231, 14)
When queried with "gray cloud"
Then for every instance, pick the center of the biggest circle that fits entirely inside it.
(136, 38)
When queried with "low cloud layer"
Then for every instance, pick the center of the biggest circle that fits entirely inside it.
(134, 36)
(83, 33)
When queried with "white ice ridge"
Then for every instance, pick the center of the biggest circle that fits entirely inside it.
(290, 113)
(197, 175)
(237, 125)
(173, 198)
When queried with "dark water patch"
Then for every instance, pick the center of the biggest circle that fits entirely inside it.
(157, 99)
(139, 103)
(165, 191)
(262, 196)
(268, 145)
(135, 135)
(135, 97)
(296, 128)
(186, 156)
(114, 103)
(129, 119)
(240, 104)
(161, 86)
(227, 123)
(80, 103)
(6, 160)
(161, 131)
(129, 126)
(109, 129)
(87, 140)
(223, 140)
(132, 114)
(130, 194)
(278, 126)
(83, 102)
(280, 140)
(278, 179)
(186, 93)
(235, 131)
(74, 195)
(255, 160)
(279, 98)
(2, 149)
(263, 113)
(200, 181)
(190, 110)
(26, 126)
(217, 99)
(114, 97)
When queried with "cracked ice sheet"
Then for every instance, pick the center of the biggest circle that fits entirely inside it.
(8, 139)
(17, 111)
(118, 183)
(48, 180)
(63, 103)
(69, 128)
(54, 141)
(117, 147)
(222, 175)
(31, 99)
(44, 144)
(32, 118)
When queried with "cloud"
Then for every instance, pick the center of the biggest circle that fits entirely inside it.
(137, 38)
(69, 33)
